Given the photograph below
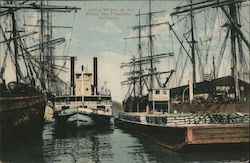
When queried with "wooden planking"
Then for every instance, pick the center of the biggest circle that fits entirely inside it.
(22, 103)
(226, 134)
(220, 130)
(220, 141)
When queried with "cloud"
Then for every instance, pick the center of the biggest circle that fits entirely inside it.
(109, 27)
(109, 70)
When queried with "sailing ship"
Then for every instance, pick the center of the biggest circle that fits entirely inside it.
(86, 106)
(155, 111)
(23, 101)
(147, 91)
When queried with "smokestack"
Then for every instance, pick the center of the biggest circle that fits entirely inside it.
(95, 75)
(72, 75)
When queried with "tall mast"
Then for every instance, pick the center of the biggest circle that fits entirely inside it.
(232, 9)
(150, 47)
(42, 47)
(14, 32)
(72, 75)
(140, 56)
(193, 45)
(134, 77)
(48, 49)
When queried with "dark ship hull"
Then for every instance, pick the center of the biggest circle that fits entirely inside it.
(22, 111)
(139, 104)
(135, 104)
(218, 103)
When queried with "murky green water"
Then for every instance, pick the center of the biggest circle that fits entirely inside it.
(105, 145)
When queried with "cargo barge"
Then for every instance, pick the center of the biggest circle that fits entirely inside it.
(177, 131)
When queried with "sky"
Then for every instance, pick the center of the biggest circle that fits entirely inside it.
(99, 29)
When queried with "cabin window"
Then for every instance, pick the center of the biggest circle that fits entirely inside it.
(96, 98)
(68, 99)
(79, 98)
(101, 107)
(65, 107)
(157, 92)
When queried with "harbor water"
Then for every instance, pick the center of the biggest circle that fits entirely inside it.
(54, 144)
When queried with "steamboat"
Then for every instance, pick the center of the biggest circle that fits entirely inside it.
(86, 107)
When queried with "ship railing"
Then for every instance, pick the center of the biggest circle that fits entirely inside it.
(103, 111)
(125, 116)
(188, 119)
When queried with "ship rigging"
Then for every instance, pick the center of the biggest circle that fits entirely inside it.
(144, 78)
(34, 58)
(27, 65)
(208, 39)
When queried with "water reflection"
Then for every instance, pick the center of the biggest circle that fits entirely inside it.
(98, 145)
(78, 145)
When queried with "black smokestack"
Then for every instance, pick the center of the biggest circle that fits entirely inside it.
(72, 74)
(82, 68)
(95, 75)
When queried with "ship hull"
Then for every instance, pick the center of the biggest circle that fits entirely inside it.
(22, 113)
(81, 120)
(135, 105)
(140, 104)
(178, 137)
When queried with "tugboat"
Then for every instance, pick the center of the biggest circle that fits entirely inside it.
(88, 107)
(150, 108)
